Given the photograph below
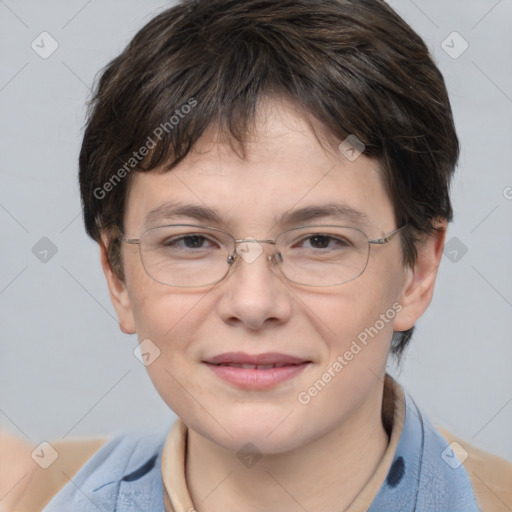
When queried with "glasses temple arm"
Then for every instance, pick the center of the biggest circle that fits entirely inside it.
(385, 239)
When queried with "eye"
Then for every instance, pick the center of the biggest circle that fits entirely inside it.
(191, 241)
(322, 241)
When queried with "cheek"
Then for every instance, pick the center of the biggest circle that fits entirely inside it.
(355, 312)
(172, 321)
(356, 328)
(169, 318)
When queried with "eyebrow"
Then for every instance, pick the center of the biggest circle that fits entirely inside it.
(169, 211)
(336, 211)
(202, 213)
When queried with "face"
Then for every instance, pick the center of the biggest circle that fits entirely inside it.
(255, 311)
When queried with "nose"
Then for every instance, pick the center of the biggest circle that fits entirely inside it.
(253, 295)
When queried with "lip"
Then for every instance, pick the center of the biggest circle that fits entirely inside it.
(276, 368)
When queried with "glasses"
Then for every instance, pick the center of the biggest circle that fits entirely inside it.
(188, 255)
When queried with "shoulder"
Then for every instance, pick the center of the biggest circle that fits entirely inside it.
(15, 455)
(419, 478)
(123, 475)
(490, 475)
(87, 470)
(37, 473)
(443, 471)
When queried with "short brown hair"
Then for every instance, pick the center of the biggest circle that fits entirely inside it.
(355, 66)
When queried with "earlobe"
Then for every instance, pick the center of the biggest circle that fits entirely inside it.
(117, 290)
(419, 281)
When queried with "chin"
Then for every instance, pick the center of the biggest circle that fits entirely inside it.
(267, 432)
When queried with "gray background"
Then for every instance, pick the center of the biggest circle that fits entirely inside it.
(65, 368)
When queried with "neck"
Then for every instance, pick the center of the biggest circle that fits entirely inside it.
(325, 475)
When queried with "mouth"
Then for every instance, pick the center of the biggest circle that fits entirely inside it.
(261, 371)
(254, 366)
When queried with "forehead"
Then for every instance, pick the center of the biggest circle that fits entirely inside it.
(286, 166)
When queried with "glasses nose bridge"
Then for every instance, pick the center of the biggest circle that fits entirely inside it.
(274, 258)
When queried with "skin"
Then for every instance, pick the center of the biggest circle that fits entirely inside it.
(311, 453)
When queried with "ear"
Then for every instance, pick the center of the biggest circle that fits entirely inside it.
(419, 282)
(117, 289)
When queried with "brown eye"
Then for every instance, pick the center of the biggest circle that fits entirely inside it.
(188, 242)
(321, 241)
